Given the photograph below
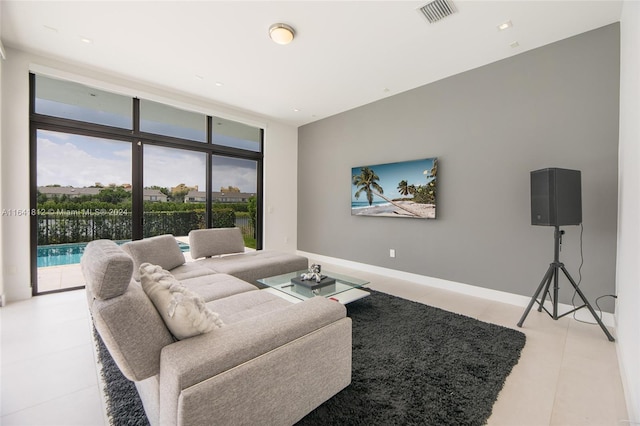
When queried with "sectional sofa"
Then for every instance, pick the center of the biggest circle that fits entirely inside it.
(204, 346)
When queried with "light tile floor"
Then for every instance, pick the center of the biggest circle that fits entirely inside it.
(47, 369)
(567, 375)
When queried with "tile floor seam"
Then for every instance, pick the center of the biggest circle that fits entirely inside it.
(552, 413)
(44, 355)
(47, 401)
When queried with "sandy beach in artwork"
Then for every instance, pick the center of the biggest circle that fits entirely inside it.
(427, 211)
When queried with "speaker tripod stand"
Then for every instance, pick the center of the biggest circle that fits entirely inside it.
(553, 274)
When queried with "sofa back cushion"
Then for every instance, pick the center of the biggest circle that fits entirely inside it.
(133, 332)
(106, 268)
(215, 241)
(162, 250)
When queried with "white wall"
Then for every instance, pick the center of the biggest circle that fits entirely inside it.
(280, 207)
(628, 271)
(15, 176)
(280, 153)
(1, 218)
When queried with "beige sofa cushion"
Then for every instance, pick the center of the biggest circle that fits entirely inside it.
(252, 266)
(216, 286)
(133, 331)
(162, 250)
(246, 305)
(215, 241)
(183, 311)
(106, 269)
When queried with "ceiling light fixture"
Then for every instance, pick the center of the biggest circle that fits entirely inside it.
(505, 25)
(86, 40)
(281, 33)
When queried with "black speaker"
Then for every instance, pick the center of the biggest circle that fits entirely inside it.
(556, 197)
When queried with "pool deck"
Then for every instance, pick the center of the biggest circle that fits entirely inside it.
(52, 278)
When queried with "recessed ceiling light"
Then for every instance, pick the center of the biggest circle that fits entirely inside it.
(86, 40)
(281, 33)
(296, 110)
(505, 25)
(219, 84)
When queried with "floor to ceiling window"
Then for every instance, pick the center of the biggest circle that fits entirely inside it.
(170, 176)
(234, 183)
(109, 166)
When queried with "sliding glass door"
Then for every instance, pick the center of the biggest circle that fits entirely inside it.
(83, 194)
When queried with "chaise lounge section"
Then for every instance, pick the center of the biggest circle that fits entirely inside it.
(222, 250)
(260, 360)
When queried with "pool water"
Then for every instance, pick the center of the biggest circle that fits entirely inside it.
(69, 254)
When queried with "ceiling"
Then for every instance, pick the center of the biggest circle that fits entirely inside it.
(345, 53)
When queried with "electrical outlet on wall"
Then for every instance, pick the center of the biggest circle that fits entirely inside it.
(392, 252)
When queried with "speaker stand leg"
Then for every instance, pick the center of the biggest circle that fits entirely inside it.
(588, 305)
(544, 283)
(545, 292)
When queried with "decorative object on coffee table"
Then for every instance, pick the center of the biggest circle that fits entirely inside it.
(314, 280)
(339, 287)
(313, 274)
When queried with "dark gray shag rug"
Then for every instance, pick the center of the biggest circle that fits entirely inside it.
(124, 406)
(412, 364)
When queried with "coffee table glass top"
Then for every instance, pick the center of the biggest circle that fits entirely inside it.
(283, 283)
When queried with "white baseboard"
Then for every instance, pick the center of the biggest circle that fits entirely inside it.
(467, 289)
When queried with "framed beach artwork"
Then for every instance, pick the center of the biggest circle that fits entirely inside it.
(405, 189)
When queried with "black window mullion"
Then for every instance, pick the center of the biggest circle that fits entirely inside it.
(33, 178)
(80, 127)
(208, 187)
(259, 197)
(137, 167)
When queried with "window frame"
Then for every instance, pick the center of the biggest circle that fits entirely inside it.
(138, 140)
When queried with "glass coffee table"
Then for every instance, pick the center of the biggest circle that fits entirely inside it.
(345, 290)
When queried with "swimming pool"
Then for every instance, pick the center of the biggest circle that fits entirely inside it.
(69, 254)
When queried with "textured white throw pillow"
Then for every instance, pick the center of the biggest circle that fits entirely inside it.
(183, 311)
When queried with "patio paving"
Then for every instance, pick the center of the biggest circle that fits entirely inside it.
(53, 278)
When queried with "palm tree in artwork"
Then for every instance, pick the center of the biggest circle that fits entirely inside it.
(367, 182)
(403, 187)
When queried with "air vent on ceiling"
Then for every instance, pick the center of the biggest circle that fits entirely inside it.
(437, 10)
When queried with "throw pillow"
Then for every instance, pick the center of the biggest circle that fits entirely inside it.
(183, 311)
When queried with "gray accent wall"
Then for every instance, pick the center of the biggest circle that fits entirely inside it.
(554, 106)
